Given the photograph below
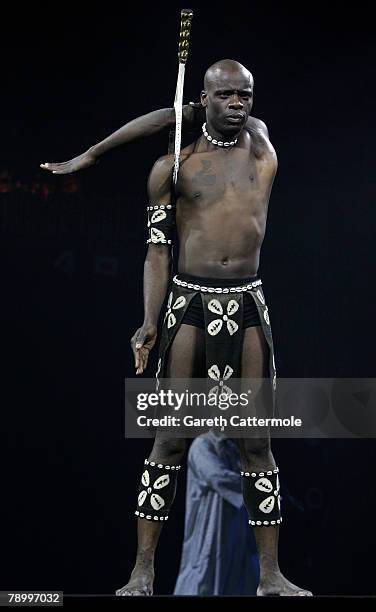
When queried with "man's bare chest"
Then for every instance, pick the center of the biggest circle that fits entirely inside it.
(215, 175)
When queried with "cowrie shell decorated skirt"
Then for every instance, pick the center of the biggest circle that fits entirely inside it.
(223, 314)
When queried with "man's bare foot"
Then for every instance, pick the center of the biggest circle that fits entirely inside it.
(140, 582)
(276, 584)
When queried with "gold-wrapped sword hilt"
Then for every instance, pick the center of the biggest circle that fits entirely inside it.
(186, 17)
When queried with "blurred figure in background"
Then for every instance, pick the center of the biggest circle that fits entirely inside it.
(219, 555)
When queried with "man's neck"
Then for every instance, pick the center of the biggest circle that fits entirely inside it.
(221, 137)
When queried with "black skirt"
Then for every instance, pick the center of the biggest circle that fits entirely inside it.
(228, 306)
(194, 314)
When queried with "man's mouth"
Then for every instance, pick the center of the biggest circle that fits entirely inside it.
(235, 118)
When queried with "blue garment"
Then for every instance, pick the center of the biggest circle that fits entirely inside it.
(219, 552)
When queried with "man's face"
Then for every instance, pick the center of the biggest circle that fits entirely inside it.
(228, 99)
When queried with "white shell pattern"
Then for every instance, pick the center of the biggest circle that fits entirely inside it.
(267, 504)
(215, 374)
(232, 327)
(158, 215)
(171, 320)
(264, 484)
(232, 307)
(228, 372)
(220, 390)
(145, 478)
(215, 306)
(157, 501)
(215, 326)
(162, 482)
(179, 303)
(157, 235)
(142, 497)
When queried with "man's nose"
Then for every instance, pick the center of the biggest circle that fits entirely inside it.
(235, 102)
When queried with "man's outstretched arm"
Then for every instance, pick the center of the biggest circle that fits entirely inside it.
(158, 259)
(146, 125)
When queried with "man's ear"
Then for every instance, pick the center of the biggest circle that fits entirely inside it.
(203, 98)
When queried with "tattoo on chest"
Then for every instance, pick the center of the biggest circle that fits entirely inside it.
(204, 176)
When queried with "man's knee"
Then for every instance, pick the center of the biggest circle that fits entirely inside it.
(255, 447)
(168, 450)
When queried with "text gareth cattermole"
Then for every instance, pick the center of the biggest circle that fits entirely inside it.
(218, 421)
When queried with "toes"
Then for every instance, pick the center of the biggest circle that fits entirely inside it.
(131, 593)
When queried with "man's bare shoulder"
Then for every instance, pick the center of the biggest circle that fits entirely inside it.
(163, 165)
(257, 122)
(260, 137)
(191, 148)
(160, 177)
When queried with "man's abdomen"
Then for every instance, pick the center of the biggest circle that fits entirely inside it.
(222, 246)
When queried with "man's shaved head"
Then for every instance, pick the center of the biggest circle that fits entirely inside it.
(223, 68)
(227, 98)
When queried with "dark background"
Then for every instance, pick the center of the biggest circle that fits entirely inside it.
(71, 270)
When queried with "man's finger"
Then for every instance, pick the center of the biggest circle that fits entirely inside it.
(139, 359)
(145, 358)
(140, 366)
(140, 341)
(135, 340)
(51, 165)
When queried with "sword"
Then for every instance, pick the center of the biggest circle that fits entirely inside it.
(186, 16)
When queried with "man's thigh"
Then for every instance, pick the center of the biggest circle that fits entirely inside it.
(255, 354)
(186, 356)
(186, 359)
(255, 375)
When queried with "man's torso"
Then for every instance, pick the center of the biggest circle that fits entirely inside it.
(221, 207)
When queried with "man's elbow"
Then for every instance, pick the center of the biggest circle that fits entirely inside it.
(169, 117)
(159, 254)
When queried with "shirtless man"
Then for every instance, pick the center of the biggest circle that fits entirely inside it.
(222, 198)
(220, 209)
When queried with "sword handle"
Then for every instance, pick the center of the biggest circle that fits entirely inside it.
(186, 17)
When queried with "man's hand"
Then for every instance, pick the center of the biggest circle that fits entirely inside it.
(73, 165)
(194, 114)
(142, 342)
